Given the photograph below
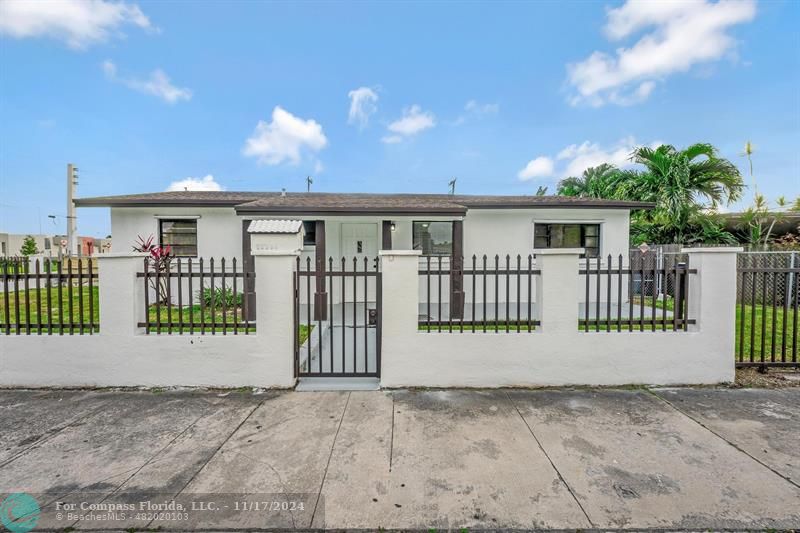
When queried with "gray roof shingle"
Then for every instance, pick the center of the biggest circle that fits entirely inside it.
(319, 202)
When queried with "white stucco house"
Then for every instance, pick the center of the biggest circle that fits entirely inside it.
(214, 224)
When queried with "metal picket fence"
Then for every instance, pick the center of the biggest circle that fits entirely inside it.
(196, 296)
(478, 294)
(46, 297)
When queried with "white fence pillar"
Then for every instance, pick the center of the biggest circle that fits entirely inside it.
(399, 308)
(274, 317)
(121, 293)
(557, 303)
(712, 298)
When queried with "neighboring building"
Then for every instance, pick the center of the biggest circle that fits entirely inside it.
(11, 244)
(214, 224)
(50, 245)
(786, 222)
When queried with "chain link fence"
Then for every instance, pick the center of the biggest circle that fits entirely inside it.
(667, 256)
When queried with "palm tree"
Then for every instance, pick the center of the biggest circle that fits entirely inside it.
(748, 153)
(678, 179)
(595, 182)
(680, 182)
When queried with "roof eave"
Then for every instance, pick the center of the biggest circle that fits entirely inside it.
(106, 202)
(638, 205)
(341, 211)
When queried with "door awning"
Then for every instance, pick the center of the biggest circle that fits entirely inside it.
(275, 226)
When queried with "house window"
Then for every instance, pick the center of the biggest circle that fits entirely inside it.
(180, 235)
(309, 232)
(433, 238)
(568, 236)
(47, 243)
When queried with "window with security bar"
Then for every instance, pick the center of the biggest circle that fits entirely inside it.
(568, 236)
(180, 236)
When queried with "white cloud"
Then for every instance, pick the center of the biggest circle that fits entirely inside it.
(363, 103)
(572, 160)
(284, 138)
(413, 121)
(392, 139)
(158, 84)
(541, 167)
(475, 109)
(79, 23)
(681, 34)
(318, 167)
(206, 183)
(578, 157)
(473, 106)
(110, 69)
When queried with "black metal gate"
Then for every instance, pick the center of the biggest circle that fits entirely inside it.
(337, 318)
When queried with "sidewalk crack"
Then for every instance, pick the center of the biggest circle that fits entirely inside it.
(391, 441)
(333, 445)
(699, 423)
(558, 473)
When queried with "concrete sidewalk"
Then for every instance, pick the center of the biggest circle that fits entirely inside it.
(666, 458)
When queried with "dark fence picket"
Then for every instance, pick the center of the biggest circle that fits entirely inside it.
(223, 299)
(27, 302)
(6, 302)
(92, 324)
(180, 297)
(619, 293)
(60, 298)
(49, 289)
(530, 290)
(17, 318)
(80, 295)
(71, 314)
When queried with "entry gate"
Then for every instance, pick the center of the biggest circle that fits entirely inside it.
(337, 318)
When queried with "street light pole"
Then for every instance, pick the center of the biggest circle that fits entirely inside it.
(72, 220)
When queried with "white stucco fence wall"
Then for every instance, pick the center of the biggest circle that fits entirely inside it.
(121, 355)
(557, 353)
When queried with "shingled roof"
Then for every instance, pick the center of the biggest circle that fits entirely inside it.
(356, 203)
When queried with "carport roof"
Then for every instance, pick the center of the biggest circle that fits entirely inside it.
(352, 203)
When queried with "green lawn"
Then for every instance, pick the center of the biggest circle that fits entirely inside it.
(52, 312)
(764, 317)
(195, 315)
(38, 301)
(490, 327)
(303, 333)
(669, 302)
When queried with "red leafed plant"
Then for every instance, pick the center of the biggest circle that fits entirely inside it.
(159, 260)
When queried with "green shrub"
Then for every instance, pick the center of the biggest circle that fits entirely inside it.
(219, 297)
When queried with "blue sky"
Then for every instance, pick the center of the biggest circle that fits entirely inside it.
(380, 97)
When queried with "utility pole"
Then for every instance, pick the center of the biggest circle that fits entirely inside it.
(72, 220)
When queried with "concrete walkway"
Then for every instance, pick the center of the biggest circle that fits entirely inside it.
(666, 458)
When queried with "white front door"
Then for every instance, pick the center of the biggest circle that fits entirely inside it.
(359, 240)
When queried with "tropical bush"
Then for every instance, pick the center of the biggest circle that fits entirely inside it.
(218, 297)
(159, 259)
